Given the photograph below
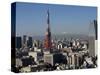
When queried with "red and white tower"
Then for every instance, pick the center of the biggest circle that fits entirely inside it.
(48, 44)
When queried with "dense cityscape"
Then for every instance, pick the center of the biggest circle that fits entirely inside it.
(49, 54)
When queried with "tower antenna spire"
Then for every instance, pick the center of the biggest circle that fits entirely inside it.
(48, 18)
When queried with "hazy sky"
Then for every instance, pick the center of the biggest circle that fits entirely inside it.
(31, 18)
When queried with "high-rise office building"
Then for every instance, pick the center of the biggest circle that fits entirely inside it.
(55, 58)
(96, 29)
(29, 42)
(24, 40)
(91, 46)
(18, 42)
(93, 38)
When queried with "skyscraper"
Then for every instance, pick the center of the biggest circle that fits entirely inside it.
(96, 29)
(18, 42)
(29, 42)
(92, 38)
(24, 40)
(48, 34)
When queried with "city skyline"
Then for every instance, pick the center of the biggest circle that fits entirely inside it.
(31, 19)
(51, 37)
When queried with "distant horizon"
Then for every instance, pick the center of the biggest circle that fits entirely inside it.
(53, 34)
(31, 19)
